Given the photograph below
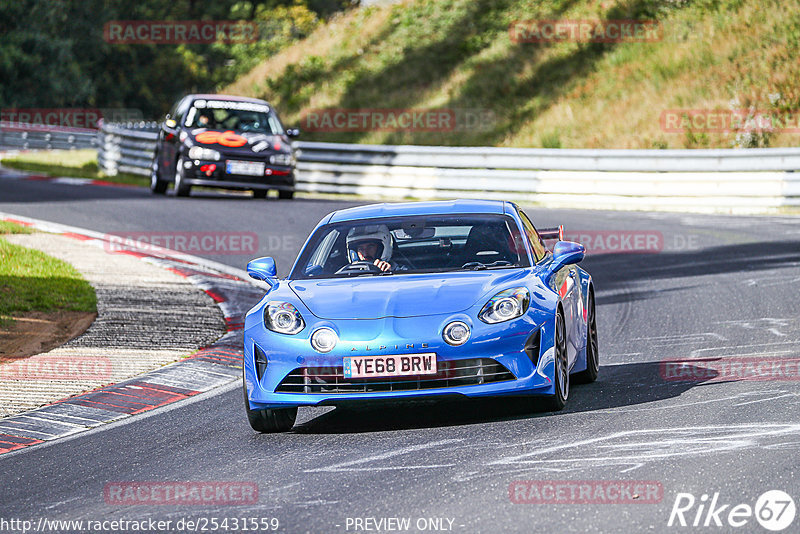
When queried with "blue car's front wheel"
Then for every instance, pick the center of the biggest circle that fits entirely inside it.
(558, 399)
(592, 358)
(269, 420)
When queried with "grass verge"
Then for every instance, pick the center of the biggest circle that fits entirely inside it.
(460, 55)
(71, 163)
(31, 280)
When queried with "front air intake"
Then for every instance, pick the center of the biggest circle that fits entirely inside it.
(261, 361)
(451, 373)
(532, 347)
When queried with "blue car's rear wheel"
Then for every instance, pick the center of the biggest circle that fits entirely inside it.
(592, 354)
(269, 420)
(558, 399)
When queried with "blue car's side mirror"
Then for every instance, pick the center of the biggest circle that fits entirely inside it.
(263, 269)
(566, 253)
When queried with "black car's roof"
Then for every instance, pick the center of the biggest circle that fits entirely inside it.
(231, 98)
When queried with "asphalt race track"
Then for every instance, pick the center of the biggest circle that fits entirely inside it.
(720, 288)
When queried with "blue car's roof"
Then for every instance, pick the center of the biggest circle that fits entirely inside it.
(439, 207)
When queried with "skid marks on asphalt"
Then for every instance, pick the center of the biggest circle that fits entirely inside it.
(617, 452)
(626, 451)
(384, 461)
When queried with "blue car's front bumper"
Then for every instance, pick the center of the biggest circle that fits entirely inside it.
(504, 343)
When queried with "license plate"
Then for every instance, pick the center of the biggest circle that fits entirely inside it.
(248, 168)
(394, 365)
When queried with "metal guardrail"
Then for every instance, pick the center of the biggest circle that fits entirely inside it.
(728, 179)
(33, 136)
(127, 147)
(741, 180)
(494, 158)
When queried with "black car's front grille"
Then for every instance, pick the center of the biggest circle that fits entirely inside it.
(450, 373)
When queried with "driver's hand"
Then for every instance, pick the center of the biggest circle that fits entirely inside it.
(383, 265)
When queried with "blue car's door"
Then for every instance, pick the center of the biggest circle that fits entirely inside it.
(566, 282)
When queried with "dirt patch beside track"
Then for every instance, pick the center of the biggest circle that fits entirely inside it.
(34, 332)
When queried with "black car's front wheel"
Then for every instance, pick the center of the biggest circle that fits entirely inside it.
(157, 185)
(260, 193)
(269, 420)
(182, 189)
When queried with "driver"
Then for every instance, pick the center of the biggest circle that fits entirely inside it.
(371, 243)
(203, 121)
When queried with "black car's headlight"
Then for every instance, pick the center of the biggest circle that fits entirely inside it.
(506, 305)
(283, 318)
(281, 159)
(199, 152)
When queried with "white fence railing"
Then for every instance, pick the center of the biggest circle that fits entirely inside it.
(738, 180)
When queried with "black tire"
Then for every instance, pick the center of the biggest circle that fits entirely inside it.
(157, 185)
(260, 193)
(285, 195)
(558, 400)
(592, 354)
(274, 420)
(182, 189)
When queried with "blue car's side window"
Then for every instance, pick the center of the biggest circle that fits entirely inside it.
(537, 245)
(323, 252)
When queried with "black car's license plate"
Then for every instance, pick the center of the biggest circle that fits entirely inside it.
(247, 168)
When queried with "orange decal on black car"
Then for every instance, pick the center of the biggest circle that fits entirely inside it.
(224, 138)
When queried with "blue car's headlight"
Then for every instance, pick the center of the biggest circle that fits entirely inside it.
(199, 152)
(505, 306)
(283, 318)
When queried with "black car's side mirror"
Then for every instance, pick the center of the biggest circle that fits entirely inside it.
(293, 132)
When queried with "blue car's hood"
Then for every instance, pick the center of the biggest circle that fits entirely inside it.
(372, 297)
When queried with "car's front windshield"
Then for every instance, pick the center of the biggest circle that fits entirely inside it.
(414, 244)
(237, 116)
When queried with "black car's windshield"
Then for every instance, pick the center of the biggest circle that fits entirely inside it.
(415, 244)
(236, 116)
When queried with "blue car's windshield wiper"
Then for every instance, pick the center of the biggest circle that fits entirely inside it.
(359, 269)
(473, 266)
(478, 266)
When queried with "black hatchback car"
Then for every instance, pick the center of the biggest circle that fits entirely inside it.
(224, 141)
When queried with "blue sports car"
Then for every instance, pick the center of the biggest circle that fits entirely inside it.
(419, 300)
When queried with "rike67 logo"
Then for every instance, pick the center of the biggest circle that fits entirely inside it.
(774, 510)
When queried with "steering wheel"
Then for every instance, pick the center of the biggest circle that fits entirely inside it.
(360, 266)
